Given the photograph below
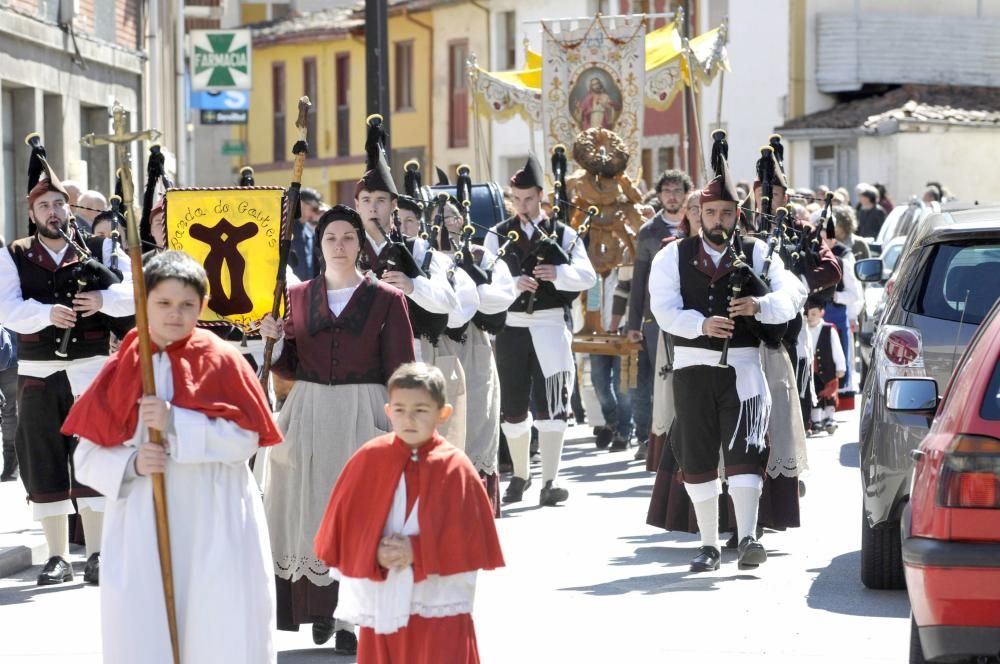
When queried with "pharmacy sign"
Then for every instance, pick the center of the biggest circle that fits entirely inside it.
(220, 59)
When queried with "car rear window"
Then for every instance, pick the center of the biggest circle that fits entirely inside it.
(960, 282)
(991, 400)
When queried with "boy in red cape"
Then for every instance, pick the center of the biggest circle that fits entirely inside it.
(213, 416)
(407, 527)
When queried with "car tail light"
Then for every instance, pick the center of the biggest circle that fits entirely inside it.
(900, 353)
(970, 473)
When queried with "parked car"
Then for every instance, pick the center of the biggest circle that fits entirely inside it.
(951, 526)
(875, 297)
(945, 287)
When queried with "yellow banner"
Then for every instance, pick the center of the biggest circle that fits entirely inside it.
(234, 234)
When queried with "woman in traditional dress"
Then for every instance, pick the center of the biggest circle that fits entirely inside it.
(342, 337)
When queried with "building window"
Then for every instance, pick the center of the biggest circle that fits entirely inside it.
(458, 100)
(507, 41)
(309, 87)
(343, 84)
(278, 105)
(404, 76)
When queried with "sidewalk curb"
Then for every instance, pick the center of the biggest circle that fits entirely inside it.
(16, 559)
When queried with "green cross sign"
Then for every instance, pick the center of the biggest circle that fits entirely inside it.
(220, 59)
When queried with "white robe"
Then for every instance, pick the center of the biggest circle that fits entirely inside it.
(222, 567)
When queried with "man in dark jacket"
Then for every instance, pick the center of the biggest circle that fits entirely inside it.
(306, 264)
(672, 189)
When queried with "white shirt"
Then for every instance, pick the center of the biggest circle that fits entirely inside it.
(31, 316)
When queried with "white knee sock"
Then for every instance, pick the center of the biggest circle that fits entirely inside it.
(707, 513)
(93, 528)
(550, 444)
(705, 499)
(745, 491)
(520, 454)
(56, 530)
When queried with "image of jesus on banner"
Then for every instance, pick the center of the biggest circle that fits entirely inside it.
(598, 107)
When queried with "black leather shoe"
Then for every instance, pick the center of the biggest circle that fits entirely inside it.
(642, 452)
(552, 495)
(619, 443)
(732, 542)
(515, 489)
(57, 570)
(92, 571)
(323, 629)
(752, 553)
(707, 559)
(345, 643)
(602, 437)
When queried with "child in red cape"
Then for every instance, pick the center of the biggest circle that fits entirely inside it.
(407, 527)
(213, 416)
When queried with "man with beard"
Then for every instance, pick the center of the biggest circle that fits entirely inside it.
(672, 189)
(60, 304)
(721, 408)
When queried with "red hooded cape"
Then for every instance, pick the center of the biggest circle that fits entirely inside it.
(457, 531)
(209, 375)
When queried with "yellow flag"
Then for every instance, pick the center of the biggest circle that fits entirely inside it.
(234, 233)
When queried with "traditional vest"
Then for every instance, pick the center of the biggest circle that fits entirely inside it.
(43, 281)
(518, 258)
(705, 289)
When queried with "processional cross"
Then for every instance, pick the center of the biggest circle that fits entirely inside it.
(122, 140)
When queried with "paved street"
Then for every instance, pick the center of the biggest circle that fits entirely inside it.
(590, 582)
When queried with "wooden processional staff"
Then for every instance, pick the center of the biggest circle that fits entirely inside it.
(122, 139)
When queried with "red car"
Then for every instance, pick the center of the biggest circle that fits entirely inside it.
(951, 527)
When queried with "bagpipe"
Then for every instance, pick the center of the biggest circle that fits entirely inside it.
(413, 186)
(90, 274)
(155, 174)
(548, 250)
(744, 282)
(398, 256)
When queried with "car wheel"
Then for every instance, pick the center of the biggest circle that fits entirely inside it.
(916, 650)
(881, 556)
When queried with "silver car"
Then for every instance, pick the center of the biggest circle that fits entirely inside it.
(947, 281)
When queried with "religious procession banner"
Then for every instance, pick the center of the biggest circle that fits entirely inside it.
(234, 233)
(505, 94)
(593, 76)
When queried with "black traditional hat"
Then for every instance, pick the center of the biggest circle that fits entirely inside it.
(41, 179)
(720, 188)
(409, 203)
(442, 177)
(377, 175)
(530, 175)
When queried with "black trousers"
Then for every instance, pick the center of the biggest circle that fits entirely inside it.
(522, 384)
(708, 411)
(44, 453)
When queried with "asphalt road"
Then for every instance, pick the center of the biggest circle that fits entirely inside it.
(590, 582)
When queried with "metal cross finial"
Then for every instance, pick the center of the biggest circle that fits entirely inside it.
(121, 139)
